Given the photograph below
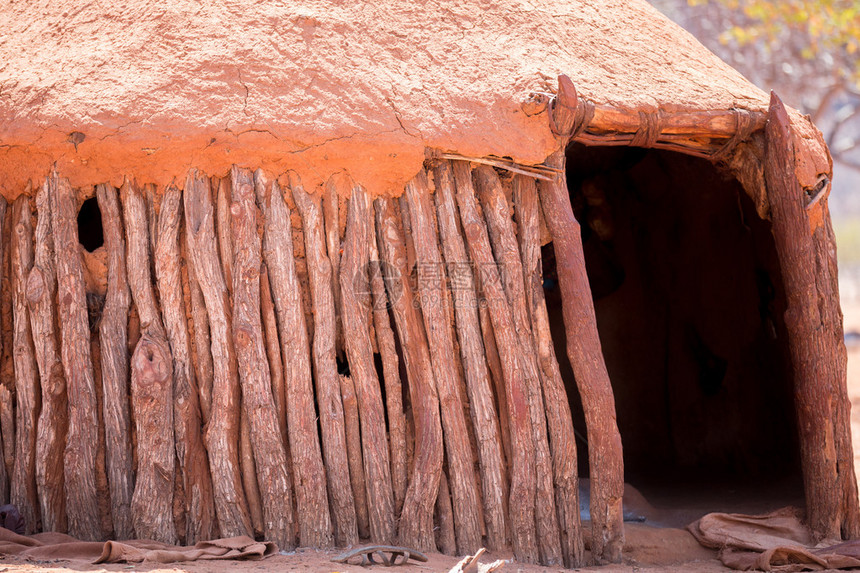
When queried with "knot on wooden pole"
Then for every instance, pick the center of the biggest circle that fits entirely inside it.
(650, 127)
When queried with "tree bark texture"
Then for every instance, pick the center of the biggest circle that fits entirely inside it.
(191, 455)
(432, 285)
(589, 369)
(523, 479)
(82, 441)
(53, 419)
(562, 440)
(113, 338)
(27, 393)
(7, 368)
(222, 430)
(416, 519)
(152, 404)
(357, 299)
(312, 496)
(445, 537)
(831, 512)
(390, 372)
(497, 214)
(331, 216)
(269, 454)
(202, 348)
(473, 355)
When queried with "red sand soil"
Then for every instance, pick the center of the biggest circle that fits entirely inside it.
(650, 548)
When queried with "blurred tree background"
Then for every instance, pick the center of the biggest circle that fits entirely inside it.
(808, 51)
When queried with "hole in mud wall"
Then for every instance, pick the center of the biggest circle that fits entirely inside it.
(90, 232)
(689, 303)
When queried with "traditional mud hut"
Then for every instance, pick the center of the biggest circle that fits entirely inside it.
(329, 272)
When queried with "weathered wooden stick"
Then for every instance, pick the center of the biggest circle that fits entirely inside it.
(138, 257)
(152, 403)
(315, 527)
(197, 481)
(273, 352)
(82, 441)
(202, 351)
(113, 337)
(53, 418)
(357, 479)
(94, 308)
(586, 358)
(523, 479)
(152, 200)
(390, 372)
(223, 230)
(445, 537)
(356, 298)
(561, 437)
(7, 422)
(222, 430)
(416, 519)
(583, 350)
(504, 242)
(825, 245)
(322, 288)
(27, 393)
(7, 374)
(591, 376)
(812, 353)
(494, 364)
(331, 216)
(249, 475)
(437, 324)
(483, 408)
(222, 189)
(271, 460)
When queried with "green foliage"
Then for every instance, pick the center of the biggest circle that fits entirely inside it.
(820, 27)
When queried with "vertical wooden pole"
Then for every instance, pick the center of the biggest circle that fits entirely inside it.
(523, 479)
(356, 301)
(504, 242)
(483, 408)
(113, 336)
(80, 454)
(561, 437)
(390, 372)
(7, 368)
(583, 350)
(197, 481)
(437, 323)
(152, 403)
(331, 216)
(53, 419)
(222, 431)
(27, 393)
(269, 454)
(203, 366)
(273, 351)
(445, 537)
(315, 527)
(814, 351)
(416, 519)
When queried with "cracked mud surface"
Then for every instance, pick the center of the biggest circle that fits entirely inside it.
(152, 89)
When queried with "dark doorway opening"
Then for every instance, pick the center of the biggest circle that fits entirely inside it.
(90, 232)
(689, 304)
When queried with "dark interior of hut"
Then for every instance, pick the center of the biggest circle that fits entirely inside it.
(688, 297)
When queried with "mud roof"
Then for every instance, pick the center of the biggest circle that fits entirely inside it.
(152, 88)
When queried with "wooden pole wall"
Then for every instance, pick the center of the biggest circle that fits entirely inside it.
(460, 425)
